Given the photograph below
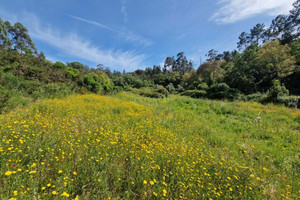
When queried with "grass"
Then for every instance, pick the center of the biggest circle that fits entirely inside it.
(132, 147)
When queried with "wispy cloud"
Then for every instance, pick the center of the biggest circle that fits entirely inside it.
(124, 33)
(76, 46)
(92, 22)
(235, 10)
(124, 10)
(133, 37)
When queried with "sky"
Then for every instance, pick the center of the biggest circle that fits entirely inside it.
(135, 34)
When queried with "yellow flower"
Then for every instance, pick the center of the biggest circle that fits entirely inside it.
(43, 188)
(64, 194)
(151, 183)
(49, 184)
(16, 193)
(145, 182)
(54, 192)
(32, 172)
(8, 173)
(60, 171)
(12, 198)
(252, 175)
(33, 165)
(75, 173)
(155, 194)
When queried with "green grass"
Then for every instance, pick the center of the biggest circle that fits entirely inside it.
(130, 147)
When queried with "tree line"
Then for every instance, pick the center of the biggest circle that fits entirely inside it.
(264, 67)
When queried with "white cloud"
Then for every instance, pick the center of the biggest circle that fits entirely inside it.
(124, 10)
(74, 45)
(124, 33)
(135, 38)
(92, 22)
(235, 10)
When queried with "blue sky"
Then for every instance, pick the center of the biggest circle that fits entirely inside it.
(134, 34)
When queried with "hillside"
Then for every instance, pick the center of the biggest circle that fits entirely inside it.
(130, 147)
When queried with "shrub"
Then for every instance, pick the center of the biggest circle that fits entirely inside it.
(194, 93)
(202, 86)
(258, 97)
(72, 72)
(276, 92)
(59, 65)
(163, 91)
(152, 94)
(223, 91)
(170, 87)
(4, 97)
(290, 101)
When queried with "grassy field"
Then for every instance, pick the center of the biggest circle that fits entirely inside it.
(132, 147)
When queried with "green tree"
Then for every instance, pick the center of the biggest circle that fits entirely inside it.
(257, 33)
(4, 38)
(211, 72)
(20, 38)
(244, 74)
(276, 60)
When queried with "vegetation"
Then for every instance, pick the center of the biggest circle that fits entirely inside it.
(140, 148)
(147, 138)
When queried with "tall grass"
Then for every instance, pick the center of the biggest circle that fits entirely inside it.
(131, 147)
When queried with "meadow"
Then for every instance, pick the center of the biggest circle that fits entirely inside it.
(126, 146)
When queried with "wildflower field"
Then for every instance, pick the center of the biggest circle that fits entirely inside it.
(131, 147)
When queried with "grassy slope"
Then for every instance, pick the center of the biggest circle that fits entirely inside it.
(172, 148)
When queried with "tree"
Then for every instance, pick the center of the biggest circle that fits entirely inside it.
(244, 40)
(4, 39)
(169, 63)
(295, 18)
(257, 33)
(278, 28)
(212, 55)
(244, 74)
(211, 72)
(20, 38)
(276, 60)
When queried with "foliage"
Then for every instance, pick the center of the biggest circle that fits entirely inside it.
(276, 92)
(223, 91)
(194, 93)
(275, 60)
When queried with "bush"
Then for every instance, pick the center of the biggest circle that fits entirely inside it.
(53, 90)
(194, 93)
(170, 87)
(202, 86)
(72, 72)
(258, 97)
(276, 92)
(223, 91)
(290, 101)
(59, 65)
(4, 97)
(152, 94)
(162, 91)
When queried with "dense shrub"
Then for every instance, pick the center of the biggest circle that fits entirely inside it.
(276, 92)
(152, 94)
(4, 97)
(194, 93)
(223, 91)
(170, 88)
(290, 101)
(59, 65)
(163, 91)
